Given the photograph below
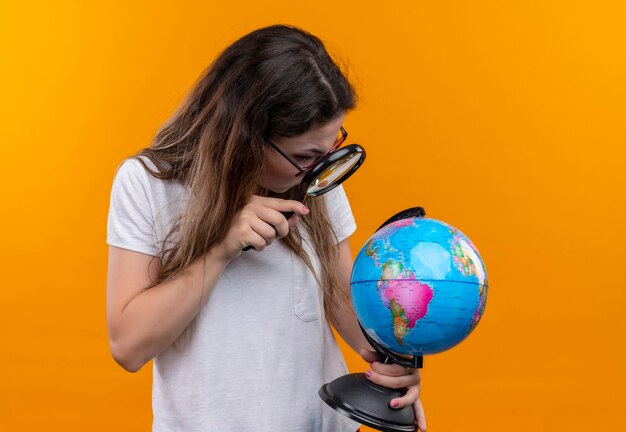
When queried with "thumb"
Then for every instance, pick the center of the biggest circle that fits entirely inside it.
(369, 356)
(293, 220)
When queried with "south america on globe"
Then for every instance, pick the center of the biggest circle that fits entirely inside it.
(418, 286)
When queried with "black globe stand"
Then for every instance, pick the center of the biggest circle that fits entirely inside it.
(405, 214)
(367, 403)
(363, 401)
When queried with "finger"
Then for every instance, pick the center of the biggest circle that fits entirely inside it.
(284, 205)
(255, 240)
(392, 369)
(264, 230)
(369, 356)
(293, 220)
(392, 382)
(412, 395)
(275, 219)
(420, 417)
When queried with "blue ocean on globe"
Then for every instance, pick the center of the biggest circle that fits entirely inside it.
(419, 286)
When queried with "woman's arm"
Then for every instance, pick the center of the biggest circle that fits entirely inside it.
(345, 321)
(143, 322)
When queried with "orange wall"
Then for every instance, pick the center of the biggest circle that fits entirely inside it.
(505, 119)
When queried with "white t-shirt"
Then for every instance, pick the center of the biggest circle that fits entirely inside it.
(261, 347)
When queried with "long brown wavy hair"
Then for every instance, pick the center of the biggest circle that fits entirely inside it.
(275, 81)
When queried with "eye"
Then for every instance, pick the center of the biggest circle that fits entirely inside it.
(305, 158)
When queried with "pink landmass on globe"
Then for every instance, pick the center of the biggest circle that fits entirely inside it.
(413, 296)
(404, 223)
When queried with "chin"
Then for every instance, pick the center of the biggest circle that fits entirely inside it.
(280, 192)
(277, 189)
(280, 189)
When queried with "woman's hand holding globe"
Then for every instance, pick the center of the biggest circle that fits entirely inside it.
(397, 377)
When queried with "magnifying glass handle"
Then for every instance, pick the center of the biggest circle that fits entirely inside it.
(287, 216)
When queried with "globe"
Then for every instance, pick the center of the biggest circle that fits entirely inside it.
(418, 286)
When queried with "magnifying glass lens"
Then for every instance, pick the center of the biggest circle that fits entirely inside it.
(332, 175)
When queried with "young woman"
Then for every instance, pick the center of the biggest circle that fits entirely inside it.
(241, 340)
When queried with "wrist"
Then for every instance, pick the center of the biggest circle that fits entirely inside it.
(221, 255)
(218, 256)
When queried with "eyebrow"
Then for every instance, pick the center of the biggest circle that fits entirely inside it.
(313, 150)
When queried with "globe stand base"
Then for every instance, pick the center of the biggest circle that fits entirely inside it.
(363, 401)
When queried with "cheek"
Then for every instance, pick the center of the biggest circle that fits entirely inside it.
(276, 176)
(271, 168)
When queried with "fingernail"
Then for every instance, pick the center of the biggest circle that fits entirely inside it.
(395, 404)
(305, 210)
(368, 374)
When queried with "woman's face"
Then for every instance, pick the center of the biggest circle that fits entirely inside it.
(278, 174)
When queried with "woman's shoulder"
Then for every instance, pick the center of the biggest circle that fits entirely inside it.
(340, 212)
(136, 166)
(141, 169)
(135, 174)
(337, 199)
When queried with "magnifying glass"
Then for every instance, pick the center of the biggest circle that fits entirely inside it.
(328, 173)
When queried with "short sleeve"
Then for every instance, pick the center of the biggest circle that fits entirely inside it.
(340, 213)
(131, 222)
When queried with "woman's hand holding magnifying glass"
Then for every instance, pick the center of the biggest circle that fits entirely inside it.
(259, 223)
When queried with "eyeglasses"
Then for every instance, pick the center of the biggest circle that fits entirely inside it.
(341, 138)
